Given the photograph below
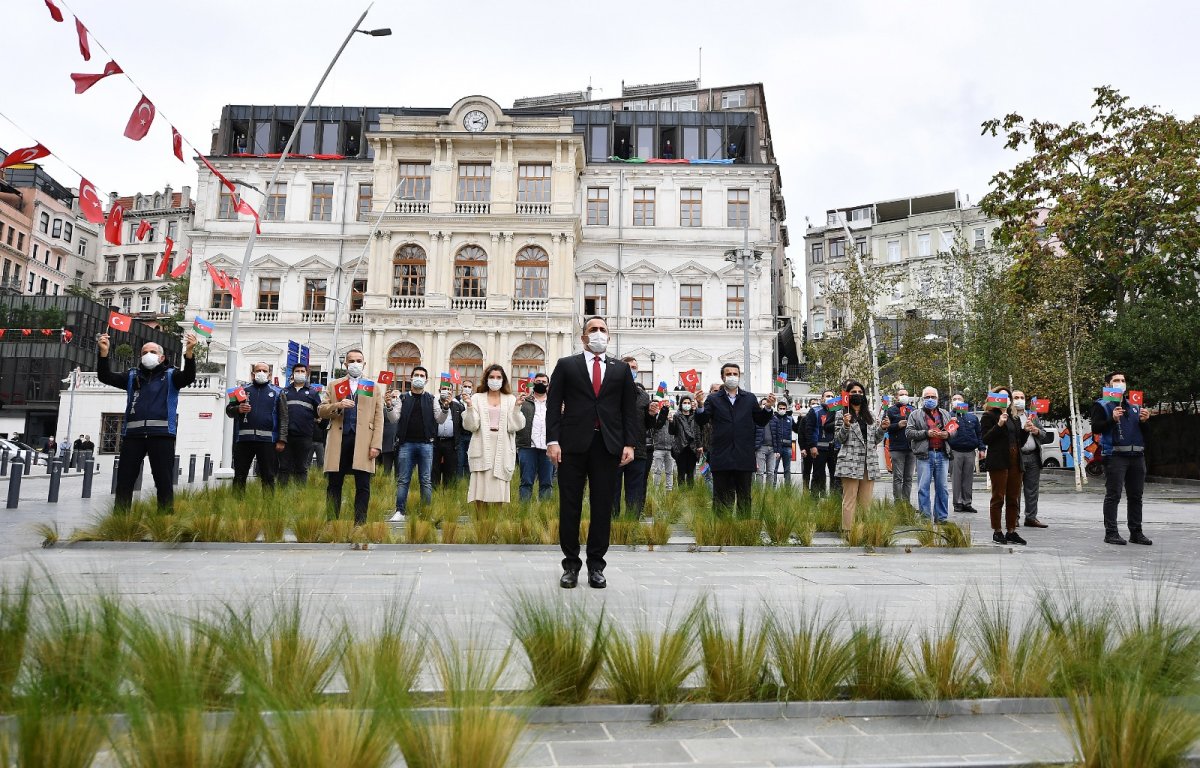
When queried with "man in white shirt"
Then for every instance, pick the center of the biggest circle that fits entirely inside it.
(531, 441)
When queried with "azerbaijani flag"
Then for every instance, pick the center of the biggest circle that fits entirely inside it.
(445, 378)
(366, 387)
(662, 389)
(236, 394)
(315, 387)
(887, 401)
(781, 380)
(202, 327)
(834, 404)
(961, 407)
(1111, 395)
(997, 400)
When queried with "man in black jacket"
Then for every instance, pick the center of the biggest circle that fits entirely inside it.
(300, 401)
(735, 415)
(151, 417)
(818, 428)
(591, 431)
(633, 474)
(531, 441)
(418, 416)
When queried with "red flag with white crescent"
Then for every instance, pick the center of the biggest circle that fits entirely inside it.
(182, 269)
(235, 291)
(142, 230)
(85, 49)
(140, 121)
(119, 322)
(25, 155)
(165, 264)
(218, 277)
(89, 202)
(177, 143)
(83, 81)
(55, 13)
(226, 182)
(114, 224)
(246, 209)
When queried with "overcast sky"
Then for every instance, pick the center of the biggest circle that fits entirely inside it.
(867, 100)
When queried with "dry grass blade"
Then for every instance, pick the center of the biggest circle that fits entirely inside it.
(15, 604)
(1123, 723)
(382, 670)
(1018, 661)
(472, 737)
(564, 645)
(878, 671)
(177, 665)
(645, 667)
(183, 739)
(734, 659)
(46, 740)
(943, 666)
(329, 738)
(812, 659)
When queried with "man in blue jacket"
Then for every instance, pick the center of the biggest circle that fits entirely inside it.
(903, 463)
(1124, 448)
(734, 414)
(819, 425)
(965, 444)
(781, 428)
(151, 417)
(301, 402)
(260, 427)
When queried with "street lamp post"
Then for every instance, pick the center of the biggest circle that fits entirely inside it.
(231, 359)
(745, 257)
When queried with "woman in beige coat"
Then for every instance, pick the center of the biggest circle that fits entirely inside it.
(493, 419)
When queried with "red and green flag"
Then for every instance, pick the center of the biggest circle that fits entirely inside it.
(366, 387)
(236, 394)
(1041, 405)
(662, 389)
(202, 327)
(961, 407)
(997, 400)
(834, 404)
(1112, 395)
(781, 380)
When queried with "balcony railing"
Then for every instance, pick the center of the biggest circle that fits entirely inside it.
(408, 302)
(90, 380)
(533, 209)
(218, 315)
(471, 303)
(642, 322)
(266, 315)
(691, 323)
(411, 206)
(734, 323)
(355, 318)
(314, 316)
(529, 305)
(475, 209)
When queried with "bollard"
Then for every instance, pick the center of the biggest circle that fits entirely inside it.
(116, 463)
(4, 463)
(175, 474)
(192, 469)
(88, 466)
(28, 459)
(14, 483)
(48, 463)
(55, 481)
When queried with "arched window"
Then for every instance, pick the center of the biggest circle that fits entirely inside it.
(533, 273)
(470, 273)
(402, 358)
(408, 271)
(527, 359)
(44, 222)
(467, 359)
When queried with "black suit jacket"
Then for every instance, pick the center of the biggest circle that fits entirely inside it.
(572, 407)
(733, 427)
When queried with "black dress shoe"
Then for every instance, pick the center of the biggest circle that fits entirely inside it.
(970, 510)
(998, 538)
(596, 580)
(1138, 538)
(569, 580)
(1114, 538)
(1012, 537)
(1033, 522)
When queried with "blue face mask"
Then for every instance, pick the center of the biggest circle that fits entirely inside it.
(930, 403)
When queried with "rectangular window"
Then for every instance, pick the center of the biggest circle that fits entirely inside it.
(643, 207)
(68, 231)
(110, 271)
(818, 253)
(837, 249)
(645, 142)
(860, 214)
(145, 303)
(533, 183)
(173, 230)
(691, 142)
(947, 241)
(737, 208)
(329, 138)
(308, 138)
(860, 244)
(818, 326)
(83, 245)
(474, 183)
(276, 203)
(314, 294)
(221, 299)
(322, 202)
(358, 292)
(111, 425)
(268, 293)
(735, 299)
(597, 206)
(691, 300)
(642, 298)
(365, 193)
(126, 302)
(733, 99)
(164, 304)
(131, 268)
(980, 243)
(893, 248)
(21, 243)
(598, 145)
(57, 229)
(923, 245)
(595, 299)
(225, 208)
(689, 207)
(415, 180)
(685, 103)
(148, 268)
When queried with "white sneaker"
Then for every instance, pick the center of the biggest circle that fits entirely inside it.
(399, 517)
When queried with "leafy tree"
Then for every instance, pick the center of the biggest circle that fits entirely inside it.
(1166, 370)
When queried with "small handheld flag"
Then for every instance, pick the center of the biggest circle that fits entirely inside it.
(315, 387)
(1111, 395)
(522, 386)
(960, 407)
(119, 322)
(236, 394)
(997, 400)
(455, 377)
(202, 327)
(834, 404)
(887, 401)
(386, 377)
(690, 379)
(662, 389)
(445, 378)
(781, 380)
(341, 390)
(1136, 397)
(1041, 405)
(366, 387)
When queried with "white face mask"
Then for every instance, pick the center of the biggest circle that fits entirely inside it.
(598, 342)
(904, 399)
(782, 411)
(150, 360)
(1116, 385)
(731, 382)
(495, 384)
(418, 382)
(261, 377)
(354, 370)
(1019, 403)
(685, 407)
(300, 378)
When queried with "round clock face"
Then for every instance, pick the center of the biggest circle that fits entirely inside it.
(475, 121)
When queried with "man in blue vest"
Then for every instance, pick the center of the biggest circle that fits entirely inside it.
(1120, 428)
(260, 427)
(301, 402)
(151, 417)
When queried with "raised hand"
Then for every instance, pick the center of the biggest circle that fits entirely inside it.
(102, 343)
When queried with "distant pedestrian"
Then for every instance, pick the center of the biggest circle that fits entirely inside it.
(687, 440)
(821, 443)
(355, 436)
(764, 446)
(301, 402)
(1031, 458)
(531, 443)
(1123, 444)
(928, 435)
(781, 429)
(903, 463)
(965, 445)
(662, 465)
(493, 418)
(735, 415)
(1003, 434)
(260, 426)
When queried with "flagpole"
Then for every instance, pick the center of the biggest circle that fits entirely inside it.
(231, 358)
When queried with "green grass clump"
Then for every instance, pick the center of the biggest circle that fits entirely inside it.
(645, 667)
(329, 738)
(1081, 631)
(943, 665)
(878, 670)
(943, 535)
(734, 659)
(565, 647)
(15, 613)
(467, 737)
(183, 738)
(176, 664)
(1017, 660)
(383, 668)
(1123, 723)
(812, 658)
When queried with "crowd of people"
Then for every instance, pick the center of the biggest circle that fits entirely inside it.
(591, 424)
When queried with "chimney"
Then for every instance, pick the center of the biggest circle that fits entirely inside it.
(185, 196)
(112, 199)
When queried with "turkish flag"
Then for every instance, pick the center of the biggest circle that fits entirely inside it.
(83, 81)
(112, 227)
(690, 379)
(246, 209)
(226, 182)
(2, 330)
(181, 270)
(55, 13)
(85, 50)
(1136, 397)
(25, 155)
(165, 264)
(217, 276)
(522, 386)
(1041, 405)
(140, 121)
(341, 390)
(47, 331)
(119, 322)
(143, 229)
(177, 143)
(89, 202)
(386, 377)
(67, 336)
(235, 290)
(455, 377)
(26, 332)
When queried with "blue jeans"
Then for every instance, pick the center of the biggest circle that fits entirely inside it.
(933, 469)
(408, 455)
(535, 464)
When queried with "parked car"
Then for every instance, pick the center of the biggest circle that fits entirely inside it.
(1052, 453)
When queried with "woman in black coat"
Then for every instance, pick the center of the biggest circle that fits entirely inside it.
(1003, 436)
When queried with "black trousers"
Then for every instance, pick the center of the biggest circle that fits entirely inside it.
(1126, 471)
(685, 461)
(161, 451)
(597, 468)
(731, 484)
(244, 454)
(445, 461)
(633, 477)
(806, 468)
(362, 486)
(826, 461)
(293, 462)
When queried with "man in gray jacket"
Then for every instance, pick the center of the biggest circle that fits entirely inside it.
(928, 434)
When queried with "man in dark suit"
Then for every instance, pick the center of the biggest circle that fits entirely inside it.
(591, 425)
(735, 415)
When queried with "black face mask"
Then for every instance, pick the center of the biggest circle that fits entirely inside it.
(858, 400)
(540, 388)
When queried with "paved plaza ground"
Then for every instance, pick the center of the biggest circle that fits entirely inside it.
(465, 590)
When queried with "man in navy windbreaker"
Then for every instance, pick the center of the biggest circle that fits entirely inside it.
(260, 427)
